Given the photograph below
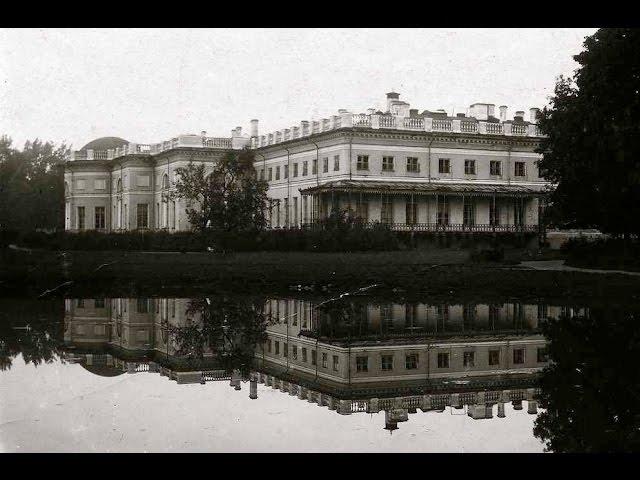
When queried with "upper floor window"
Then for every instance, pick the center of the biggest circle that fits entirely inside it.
(278, 172)
(80, 184)
(411, 361)
(363, 162)
(295, 169)
(387, 362)
(270, 176)
(518, 356)
(362, 364)
(469, 167)
(443, 360)
(494, 357)
(314, 166)
(412, 164)
(469, 359)
(444, 165)
(520, 169)
(305, 168)
(387, 164)
(324, 360)
(495, 167)
(336, 163)
(325, 164)
(336, 363)
(262, 174)
(286, 171)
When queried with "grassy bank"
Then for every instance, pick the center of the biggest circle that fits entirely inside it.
(437, 273)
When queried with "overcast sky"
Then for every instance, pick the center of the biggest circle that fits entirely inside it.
(149, 85)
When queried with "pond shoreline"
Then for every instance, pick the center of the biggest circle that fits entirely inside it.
(441, 273)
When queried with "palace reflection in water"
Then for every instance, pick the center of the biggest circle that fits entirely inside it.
(351, 356)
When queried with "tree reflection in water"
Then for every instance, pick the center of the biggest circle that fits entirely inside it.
(591, 389)
(229, 329)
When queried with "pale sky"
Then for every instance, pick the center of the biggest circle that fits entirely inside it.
(148, 85)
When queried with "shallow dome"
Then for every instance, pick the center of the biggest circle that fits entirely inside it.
(105, 143)
(103, 370)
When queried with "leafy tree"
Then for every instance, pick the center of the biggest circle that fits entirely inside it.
(591, 390)
(592, 148)
(31, 185)
(229, 199)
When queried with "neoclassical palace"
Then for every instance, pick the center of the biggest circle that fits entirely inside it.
(419, 171)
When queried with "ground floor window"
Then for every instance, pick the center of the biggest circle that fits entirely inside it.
(99, 218)
(81, 224)
(469, 359)
(518, 213)
(494, 357)
(411, 212)
(518, 356)
(494, 213)
(443, 210)
(142, 215)
(386, 212)
(443, 360)
(362, 210)
(469, 212)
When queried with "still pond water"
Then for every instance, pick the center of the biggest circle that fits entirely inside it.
(314, 374)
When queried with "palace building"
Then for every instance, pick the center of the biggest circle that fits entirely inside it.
(416, 171)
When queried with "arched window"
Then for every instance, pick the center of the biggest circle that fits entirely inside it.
(165, 182)
(119, 186)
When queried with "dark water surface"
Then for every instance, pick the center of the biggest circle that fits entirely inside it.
(309, 373)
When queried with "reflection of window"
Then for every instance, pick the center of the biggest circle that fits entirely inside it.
(518, 356)
(269, 346)
(387, 362)
(362, 364)
(443, 360)
(411, 361)
(143, 305)
(494, 357)
(324, 360)
(285, 349)
(277, 348)
(468, 359)
(313, 357)
(304, 355)
(336, 361)
(99, 303)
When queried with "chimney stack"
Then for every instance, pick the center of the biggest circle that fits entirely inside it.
(203, 133)
(503, 113)
(391, 97)
(533, 115)
(254, 128)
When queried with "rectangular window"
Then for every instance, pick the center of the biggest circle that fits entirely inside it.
(443, 360)
(469, 359)
(285, 350)
(387, 164)
(336, 163)
(294, 352)
(325, 164)
(494, 357)
(518, 213)
(262, 174)
(295, 170)
(362, 364)
(495, 167)
(443, 210)
(80, 184)
(286, 171)
(304, 355)
(305, 168)
(270, 177)
(277, 345)
(386, 212)
(314, 166)
(362, 162)
(324, 360)
(543, 311)
(142, 215)
(411, 212)
(336, 362)
(143, 305)
(278, 172)
(100, 184)
(362, 210)
(444, 165)
(518, 356)
(80, 218)
(494, 213)
(519, 169)
(99, 217)
(387, 362)
(269, 346)
(413, 165)
(411, 361)
(543, 355)
(469, 167)
(314, 357)
(469, 213)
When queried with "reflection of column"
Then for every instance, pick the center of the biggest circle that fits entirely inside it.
(501, 410)
(311, 396)
(532, 407)
(253, 387)
(344, 407)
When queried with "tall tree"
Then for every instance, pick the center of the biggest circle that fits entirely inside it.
(31, 185)
(231, 198)
(592, 148)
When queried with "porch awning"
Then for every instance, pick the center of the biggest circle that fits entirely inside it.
(424, 188)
